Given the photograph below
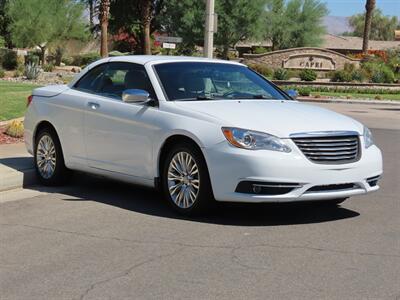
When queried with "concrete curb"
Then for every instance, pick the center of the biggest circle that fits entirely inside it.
(349, 101)
(16, 167)
(13, 179)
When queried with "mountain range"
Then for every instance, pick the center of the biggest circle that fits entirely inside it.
(336, 25)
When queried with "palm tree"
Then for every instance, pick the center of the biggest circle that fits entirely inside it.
(369, 7)
(104, 15)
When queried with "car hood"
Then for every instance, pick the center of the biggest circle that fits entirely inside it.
(279, 118)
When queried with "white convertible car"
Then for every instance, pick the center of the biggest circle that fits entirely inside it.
(200, 130)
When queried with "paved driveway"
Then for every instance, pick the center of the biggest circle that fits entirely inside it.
(97, 239)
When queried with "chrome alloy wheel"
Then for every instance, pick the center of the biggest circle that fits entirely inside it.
(46, 156)
(183, 179)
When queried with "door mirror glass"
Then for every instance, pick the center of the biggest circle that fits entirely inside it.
(135, 96)
(292, 93)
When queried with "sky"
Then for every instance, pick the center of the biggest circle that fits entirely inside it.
(350, 7)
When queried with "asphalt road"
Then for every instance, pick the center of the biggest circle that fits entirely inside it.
(97, 239)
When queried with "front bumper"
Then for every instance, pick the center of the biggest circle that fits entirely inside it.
(229, 165)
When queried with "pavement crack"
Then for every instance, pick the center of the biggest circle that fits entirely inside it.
(127, 272)
(233, 248)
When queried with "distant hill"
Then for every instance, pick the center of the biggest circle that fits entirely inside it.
(337, 25)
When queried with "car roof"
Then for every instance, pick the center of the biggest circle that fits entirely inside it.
(145, 59)
(149, 59)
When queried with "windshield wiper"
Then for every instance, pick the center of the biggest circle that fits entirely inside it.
(252, 97)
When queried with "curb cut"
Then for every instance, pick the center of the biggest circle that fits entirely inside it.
(12, 179)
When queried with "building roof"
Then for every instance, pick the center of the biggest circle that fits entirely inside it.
(336, 42)
(352, 43)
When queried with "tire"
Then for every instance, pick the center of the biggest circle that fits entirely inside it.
(49, 158)
(189, 193)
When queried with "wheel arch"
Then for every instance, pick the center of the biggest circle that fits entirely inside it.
(43, 124)
(168, 143)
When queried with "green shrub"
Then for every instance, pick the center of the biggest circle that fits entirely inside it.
(308, 75)
(32, 71)
(259, 50)
(67, 60)
(359, 75)
(261, 69)
(85, 59)
(383, 75)
(281, 74)
(10, 60)
(117, 53)
(350, 68)
(2, 73)
(48, 68)
(17, 74)
(304, 91)
(341, 76)
(293, 73)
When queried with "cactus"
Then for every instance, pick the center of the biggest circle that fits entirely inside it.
(15, 129)
(32, 71)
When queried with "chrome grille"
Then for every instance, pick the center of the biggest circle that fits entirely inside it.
(330, 149)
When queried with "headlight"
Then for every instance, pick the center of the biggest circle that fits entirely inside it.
(368, 140)
(254, 140)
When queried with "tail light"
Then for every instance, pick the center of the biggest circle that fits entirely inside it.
(29, 100)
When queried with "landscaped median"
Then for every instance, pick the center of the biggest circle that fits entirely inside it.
(333, 90)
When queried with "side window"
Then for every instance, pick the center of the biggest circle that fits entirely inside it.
(111, 79)
(92, 80)
(121, 76)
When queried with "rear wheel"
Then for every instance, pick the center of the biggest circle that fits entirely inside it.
(49, 159)
(185, 180)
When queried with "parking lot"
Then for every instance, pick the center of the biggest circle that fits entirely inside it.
(98, 239)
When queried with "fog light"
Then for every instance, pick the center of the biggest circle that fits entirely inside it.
(256, 189)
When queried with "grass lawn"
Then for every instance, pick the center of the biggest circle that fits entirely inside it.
(358, 96)
(13, 99)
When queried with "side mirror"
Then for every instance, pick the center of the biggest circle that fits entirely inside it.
(292, 93)
(135, 96)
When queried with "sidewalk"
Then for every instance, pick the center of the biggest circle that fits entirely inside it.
(16, 167)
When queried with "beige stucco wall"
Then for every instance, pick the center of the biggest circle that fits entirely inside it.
(276, 59)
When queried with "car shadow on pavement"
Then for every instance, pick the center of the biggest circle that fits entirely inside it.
(150, 202)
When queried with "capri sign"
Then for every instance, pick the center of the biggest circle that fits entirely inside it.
(306, 61)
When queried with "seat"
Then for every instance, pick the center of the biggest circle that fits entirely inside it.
(194, 86)
(135, 79)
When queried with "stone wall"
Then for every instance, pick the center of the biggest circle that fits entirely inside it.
(318, 59)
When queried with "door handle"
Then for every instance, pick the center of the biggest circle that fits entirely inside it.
(93, 105)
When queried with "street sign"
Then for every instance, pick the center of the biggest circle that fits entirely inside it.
(169, 39)
(169, 46)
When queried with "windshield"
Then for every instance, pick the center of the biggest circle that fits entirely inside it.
(188, 81)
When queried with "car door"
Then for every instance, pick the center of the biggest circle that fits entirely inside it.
(118, 135)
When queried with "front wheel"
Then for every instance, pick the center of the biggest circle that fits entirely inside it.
(185, 180)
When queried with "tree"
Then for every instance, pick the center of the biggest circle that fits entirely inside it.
(369, 7)
(138, 19)
(92, 7)
(382, 27)
(238, 20)
(104, 17)
(276, 23)
(5, 34)
(43, 23)
(296, 24)
(184, 18)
